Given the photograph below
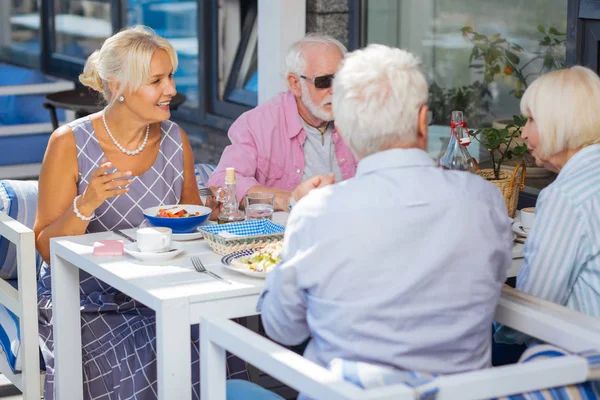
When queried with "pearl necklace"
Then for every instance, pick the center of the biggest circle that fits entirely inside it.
(123, 149)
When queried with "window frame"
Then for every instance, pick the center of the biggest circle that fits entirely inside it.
(61, 65)
(210, 111)
(233, 94)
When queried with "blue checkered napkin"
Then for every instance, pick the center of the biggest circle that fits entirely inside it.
(247, 228)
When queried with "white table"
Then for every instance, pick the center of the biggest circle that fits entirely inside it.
(517, 260)
(174, 290)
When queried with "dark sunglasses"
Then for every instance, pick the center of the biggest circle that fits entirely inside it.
(321, 82)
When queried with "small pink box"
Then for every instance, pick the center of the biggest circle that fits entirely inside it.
(108, 248)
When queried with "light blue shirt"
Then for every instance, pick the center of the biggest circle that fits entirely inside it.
(400, 266)
(562, 252)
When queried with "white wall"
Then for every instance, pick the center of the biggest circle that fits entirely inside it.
(280, 24)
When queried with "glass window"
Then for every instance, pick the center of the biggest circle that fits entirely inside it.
(242, 84)
(81, 26)
(479, 55)
(433, 29)
(20, 32)
(175, 20)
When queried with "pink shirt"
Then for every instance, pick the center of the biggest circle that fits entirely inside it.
(266, 148)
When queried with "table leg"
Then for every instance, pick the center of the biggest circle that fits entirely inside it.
(173, 350)
(68, 379)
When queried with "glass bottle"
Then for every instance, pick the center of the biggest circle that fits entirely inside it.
(228, 196)
(457, 156)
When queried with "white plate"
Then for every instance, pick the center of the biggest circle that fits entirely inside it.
(230, 261)
(132, 250)
(516, 228)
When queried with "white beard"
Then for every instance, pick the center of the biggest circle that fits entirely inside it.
(316, 110)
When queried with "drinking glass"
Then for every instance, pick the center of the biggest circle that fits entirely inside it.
(259, 205)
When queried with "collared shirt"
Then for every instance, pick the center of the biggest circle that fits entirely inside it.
(562, 252)
(319, 153)
(401, 266)
(266, 148)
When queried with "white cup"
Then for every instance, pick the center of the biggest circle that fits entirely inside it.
(153, 239)
(527, 218)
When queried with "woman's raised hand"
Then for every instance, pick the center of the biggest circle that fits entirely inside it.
(102, 186)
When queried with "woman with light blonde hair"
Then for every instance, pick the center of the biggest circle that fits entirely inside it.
(99, 173)
(562, 251)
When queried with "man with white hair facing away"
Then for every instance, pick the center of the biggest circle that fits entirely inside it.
(402, 265)
(288, 145)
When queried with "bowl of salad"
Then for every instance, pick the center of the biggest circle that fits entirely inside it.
(181, 218)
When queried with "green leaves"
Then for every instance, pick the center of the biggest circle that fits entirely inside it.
(501, 142)
(512, 57)
(494, 55)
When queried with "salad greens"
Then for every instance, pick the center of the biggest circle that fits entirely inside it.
(264, 259)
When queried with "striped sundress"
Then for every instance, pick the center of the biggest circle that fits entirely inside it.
(118, 333)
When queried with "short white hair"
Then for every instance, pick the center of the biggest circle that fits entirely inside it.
(565, 105)
(377, 95)
(295, 62)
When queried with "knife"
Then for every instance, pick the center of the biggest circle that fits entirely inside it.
(124, 235)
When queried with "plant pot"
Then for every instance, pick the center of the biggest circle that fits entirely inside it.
(533, 171)
(510, 185)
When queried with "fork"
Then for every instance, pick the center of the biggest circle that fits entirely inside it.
(202, 269)
(206, 192)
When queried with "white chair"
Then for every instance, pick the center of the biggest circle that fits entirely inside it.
(23, 303)
(546, 321)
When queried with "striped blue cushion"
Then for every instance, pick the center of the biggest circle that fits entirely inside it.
(18, 199)
(584, 391)
(203, 172)
(368, 376)
(10, 335)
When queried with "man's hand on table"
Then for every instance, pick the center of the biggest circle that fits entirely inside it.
(211, 202)
(314, 182)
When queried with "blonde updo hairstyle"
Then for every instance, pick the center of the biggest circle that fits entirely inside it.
(124, 59)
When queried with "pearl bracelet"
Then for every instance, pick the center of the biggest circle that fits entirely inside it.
(78, 214)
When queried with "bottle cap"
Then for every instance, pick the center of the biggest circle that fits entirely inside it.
(230, 176)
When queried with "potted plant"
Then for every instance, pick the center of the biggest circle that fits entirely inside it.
(497, 57)
(500, 143)
(473, 100)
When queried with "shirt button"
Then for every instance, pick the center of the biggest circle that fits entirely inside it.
(342, 159)
(298, 171)
(335, 135)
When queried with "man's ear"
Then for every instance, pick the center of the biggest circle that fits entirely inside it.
(294, 84)
(423, 128)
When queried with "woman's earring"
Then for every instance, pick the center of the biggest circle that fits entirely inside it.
(121, 99)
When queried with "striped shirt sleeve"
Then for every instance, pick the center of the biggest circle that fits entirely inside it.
(551, 264)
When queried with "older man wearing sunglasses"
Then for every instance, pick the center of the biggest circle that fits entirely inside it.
(289, 145)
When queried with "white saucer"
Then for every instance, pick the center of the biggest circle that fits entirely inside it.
(187, 236)
(516, 228)
(182, 237)
(132, 250)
